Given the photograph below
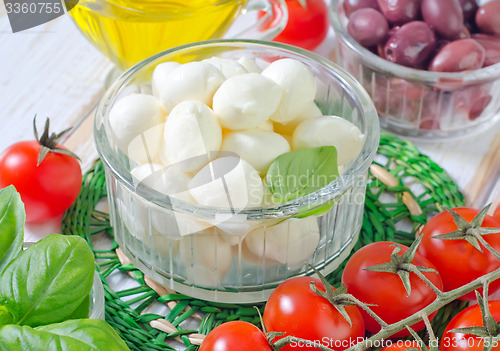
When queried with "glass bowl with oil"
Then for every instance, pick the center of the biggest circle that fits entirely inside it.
(129, 31)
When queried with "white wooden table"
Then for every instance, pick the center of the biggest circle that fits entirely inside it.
(51, 70)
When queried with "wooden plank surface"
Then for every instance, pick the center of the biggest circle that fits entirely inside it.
(473, 162)
(51, 71)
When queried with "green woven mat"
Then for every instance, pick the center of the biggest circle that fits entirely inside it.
(386, 211)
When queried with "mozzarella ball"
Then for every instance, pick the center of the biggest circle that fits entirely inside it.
(176, 225)
(191, 130)
(249, 64)
(206, 257)
(172, 181)
(288, 138)
(298, 84)
(160, 75)
(146, 174)
(135, 122)
(291, 242)
(227, 182)
(288, 128)
(246, 101)
(231, 239)
(190, 81)
(229, 68)
(145, 147)
(330, 131)
(166, 248)
(133, 212)
(258, 147)
(165, 223)
(233, 227)
(266, 125)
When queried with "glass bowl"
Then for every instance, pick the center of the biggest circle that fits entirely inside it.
(96, 310)
(158, 232)
(417, 103)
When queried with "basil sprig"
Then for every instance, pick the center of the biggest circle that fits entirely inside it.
(298, 173)
(48, 281)
(12, 218)
(77, 334)
(45, 289)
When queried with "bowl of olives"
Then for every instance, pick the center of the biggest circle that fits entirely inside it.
(432, 67)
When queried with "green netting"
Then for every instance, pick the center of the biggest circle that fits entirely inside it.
(386, 217)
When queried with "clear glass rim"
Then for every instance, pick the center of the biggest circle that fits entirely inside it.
(290, 208)
(176, 15)
(374, 61)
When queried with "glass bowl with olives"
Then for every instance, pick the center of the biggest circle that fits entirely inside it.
(432, 67)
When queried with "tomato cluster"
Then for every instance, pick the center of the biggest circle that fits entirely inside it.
(386, 291)
(295, 309)
(458, 261)
(388, 278)
(470, 317)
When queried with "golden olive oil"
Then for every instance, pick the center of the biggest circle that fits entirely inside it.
(128, 31)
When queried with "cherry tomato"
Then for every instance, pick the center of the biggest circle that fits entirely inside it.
(470, 317)
(235, 335)
(307, 25)
(295, 309)
(457, 261)
(386, 290)
(47, 189)
(402, 345)
(496, 215)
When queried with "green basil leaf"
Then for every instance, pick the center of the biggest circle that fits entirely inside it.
(316, 211)
(78, 334)
(48, 281)
(82, 311)
(12, 218)
(5, 316)
(94, 332)
(301, 172)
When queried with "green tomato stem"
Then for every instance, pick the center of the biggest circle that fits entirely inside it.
(442, 300)
(487, 246)
(387, 330)
(432, 337)
(427, 281)
(369, 311)
(292, 339)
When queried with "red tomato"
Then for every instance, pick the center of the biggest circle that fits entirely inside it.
(48, 189)
(402, 345)
(496, 215)
(235, 335)
(307, 25)
(470, 317)
(386, 290)
(457, 261)
(295, 309)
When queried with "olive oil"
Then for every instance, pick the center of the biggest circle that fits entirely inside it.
(128, 31)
